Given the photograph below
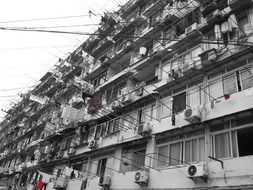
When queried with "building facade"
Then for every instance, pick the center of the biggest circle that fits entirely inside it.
(159, 97)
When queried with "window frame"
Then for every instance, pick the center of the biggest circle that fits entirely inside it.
(182, 150)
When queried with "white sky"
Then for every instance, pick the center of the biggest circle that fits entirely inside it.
(26, 56)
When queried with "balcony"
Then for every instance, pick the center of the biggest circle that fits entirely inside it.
(237, 102)
(181, 10)
(135, 21)
(103, 44)
(239, 5)
(156, 5)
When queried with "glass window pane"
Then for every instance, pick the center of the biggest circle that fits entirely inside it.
(201, 149)
(175, 150)
(98, 132)
(193, 97)
(234, 143)
(229, 84)
(116, 125)
(222, 146)
(165, 111)
(147, 114)
(162, 156)
(216, 89)
(191, 151)
(247, 78)
(139, 159)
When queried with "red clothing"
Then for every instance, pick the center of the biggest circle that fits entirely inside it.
(40, 185)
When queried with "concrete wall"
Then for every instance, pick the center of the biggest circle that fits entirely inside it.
(237, 172)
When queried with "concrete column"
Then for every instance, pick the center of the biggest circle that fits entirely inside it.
(150, 150)
(118, 153)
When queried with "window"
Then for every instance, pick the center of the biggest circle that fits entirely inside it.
(132, 159)
(130, 120)
(149, 113)
(104, 130)
(245, 140)
(178, 151)
(222, 146)
(244, 25)
(229, 84)
(116, 125)
(101, 167)
(175, 154)
(163, 156)
(98, 132)
(140, 116)
(110, 126)
(194, 150)
(215, 88)
(166, 107)
(233, 138)
(91, 133)
(194, 96)
(179, 102)
(247, 78)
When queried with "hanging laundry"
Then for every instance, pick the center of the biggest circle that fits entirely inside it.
(233, 21)
(68, 171)
(217, 31)
(226, 27)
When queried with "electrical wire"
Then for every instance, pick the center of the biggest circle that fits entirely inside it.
(48, 18)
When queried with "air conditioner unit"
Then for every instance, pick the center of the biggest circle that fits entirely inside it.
(105, 181)
(71, 151)
(125, 99)
(139, 88)
(192, 115)
(115, 105)
(144, 129)
(141, 178)
(197, 171)
(191, 28)
(92, 144)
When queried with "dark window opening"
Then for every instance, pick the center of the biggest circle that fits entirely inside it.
(179, 102)
(101, 167)
(245, 141)
(140, 116)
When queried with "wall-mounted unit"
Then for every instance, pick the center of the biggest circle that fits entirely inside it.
(105, 181)
(141, 178)
(92, 144)
(115, 105)
(144, 129)
(197, 171)
(125, 99)
(191, 28)
(193, 115)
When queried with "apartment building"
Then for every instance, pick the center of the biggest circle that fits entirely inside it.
(159, 97)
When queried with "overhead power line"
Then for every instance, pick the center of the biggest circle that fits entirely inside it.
(48, 18)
